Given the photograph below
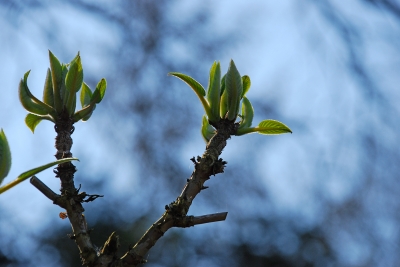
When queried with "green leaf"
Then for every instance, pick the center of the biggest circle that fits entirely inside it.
(30, 102)
(246, 84)
(25, 175)
(223, 84)
(63, 89)
(48, 96)
(272, 127)
(197, 88)
(73, 82)
(207, 131)
(100, 90)
(234, 89)
(32, 120)
(5, 156)
(223, 106)
(247, 113)
(57, 79)
(195, 85)
(85, 113)
(86, 95)
(213, 90)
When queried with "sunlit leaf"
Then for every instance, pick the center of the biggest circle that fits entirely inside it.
(73, 82)
(29, 101)
(246, 84)
(48, 96)
(57, 79)
(85, 113)
(25, 175)
(272, 127)
(234, 89)
(5, 156)
(222, 84)
(32, 120)
(213, 90)
(197, 88)
(247, 113)
(86, 95)
(100, 90)
(207, 131)
(195, 85)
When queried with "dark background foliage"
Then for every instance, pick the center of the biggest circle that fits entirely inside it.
(325, 196)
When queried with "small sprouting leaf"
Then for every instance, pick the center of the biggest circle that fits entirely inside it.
(213, 91)
(207, 131)
(63, 89)
(32, 120)
(222, 84)
(86, 95)
(234, 89)
(99, 92)
(223, 106)
(57, 79)
(73, 82)
(29, 101)
(5, 156)
(197, 88)
(195, 85)
(247, 113)
(85, 113)
(25, 175)
(246, 84)
(272, 127)
(48, 96)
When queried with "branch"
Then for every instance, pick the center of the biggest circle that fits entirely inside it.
(50, 194)
(189, 221)
(175, 214)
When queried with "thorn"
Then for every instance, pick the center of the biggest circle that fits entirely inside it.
(204, 187)
(193, 160)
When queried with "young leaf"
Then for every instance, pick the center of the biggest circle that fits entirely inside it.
(207, 131)
(32, 120)
(223, 106)
(85, 113)
(223, 84)
(99, 92)
(86, 95)
(48, 96)
(234, 89)
(30, 102)
(195, 85)
(272, 127)
(63, 89)
(247, 113)
(23, 176)
(73, 82)
(57, 79)
(197, 88)
(5, 156)
(246, 84)
(213, 91)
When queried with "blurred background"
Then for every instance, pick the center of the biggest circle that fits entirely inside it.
(326, 195)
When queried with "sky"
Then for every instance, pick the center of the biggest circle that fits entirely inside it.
(330, 72)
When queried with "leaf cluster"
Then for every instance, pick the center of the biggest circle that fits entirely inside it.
(63, 82)
(223, 99)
